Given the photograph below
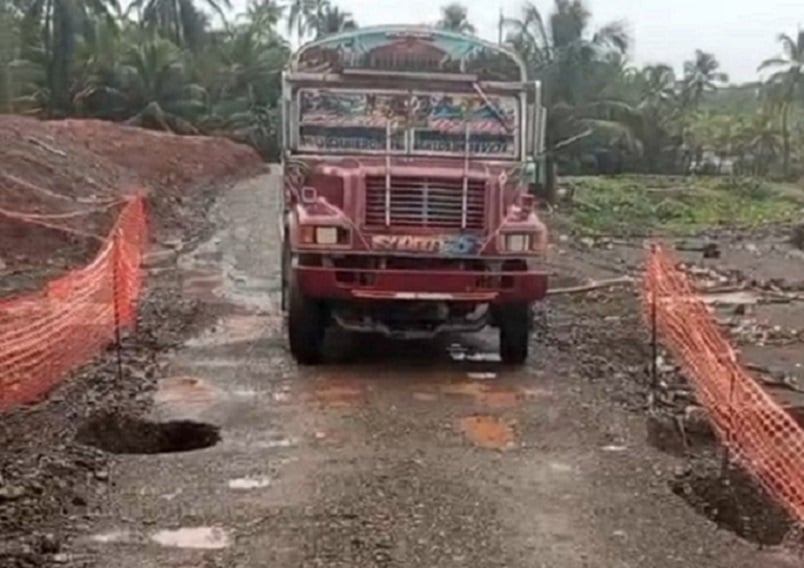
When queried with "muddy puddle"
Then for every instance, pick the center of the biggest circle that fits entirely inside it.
(484, 393)
(238, 328)
(339, 391)
(481, 391)
(488, 432)
(185, 392)
(483, 385)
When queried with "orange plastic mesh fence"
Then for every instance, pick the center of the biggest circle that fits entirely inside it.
(761, 435)
(45, 334)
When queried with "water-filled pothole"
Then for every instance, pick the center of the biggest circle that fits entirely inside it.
(736, 503)
(128, 435)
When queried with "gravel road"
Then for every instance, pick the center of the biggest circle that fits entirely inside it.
(395, 454)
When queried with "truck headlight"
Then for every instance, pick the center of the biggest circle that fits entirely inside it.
(517, 242)
(326, 235)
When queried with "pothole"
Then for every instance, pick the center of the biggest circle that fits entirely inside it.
(118, 434)
(734, 502)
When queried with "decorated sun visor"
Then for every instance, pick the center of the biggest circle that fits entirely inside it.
(338, 120)
(392, 49)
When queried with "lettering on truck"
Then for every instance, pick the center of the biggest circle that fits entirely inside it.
(451, 245)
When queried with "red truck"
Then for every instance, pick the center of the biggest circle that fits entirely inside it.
(409, 155)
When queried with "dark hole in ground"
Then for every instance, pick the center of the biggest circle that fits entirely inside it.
(735, 502)
(128, 435)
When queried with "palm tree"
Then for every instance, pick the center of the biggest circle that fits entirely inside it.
(9, 38)
(701, 76)
(264, 14)
(785, 85)
(150, 86)
(303, 15)
(658, 85)
(179, 20)
(576, 69)
(97, 68)
(242, 76)
(764, 142)
(653, 93)
(331, 20)
(58, 23)
(454, 18)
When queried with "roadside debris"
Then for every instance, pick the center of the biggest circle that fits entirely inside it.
(595, 285)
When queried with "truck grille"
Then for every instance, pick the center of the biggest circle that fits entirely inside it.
(425, 202)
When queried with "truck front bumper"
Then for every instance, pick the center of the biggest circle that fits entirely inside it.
(422, 285)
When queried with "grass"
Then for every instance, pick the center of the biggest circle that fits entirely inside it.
(643, 205)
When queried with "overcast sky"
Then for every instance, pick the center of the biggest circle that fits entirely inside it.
(741, 33)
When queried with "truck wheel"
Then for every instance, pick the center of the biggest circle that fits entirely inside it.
(514, 324)
(306, 326)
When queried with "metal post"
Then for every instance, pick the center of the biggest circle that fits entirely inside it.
(465, 199)
(387, 173)
(115, 287)
(654, 343)
(724, 465)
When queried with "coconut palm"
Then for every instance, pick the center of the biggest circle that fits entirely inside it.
(9, 52)
(576, 68)
(454, 18)
(153, 86)
(331, 20)
(303, 14)
(242, 76)
(181, 21)
(701, 76)
(653, 94)
(786, 85)
(52, 28)
(264, 14)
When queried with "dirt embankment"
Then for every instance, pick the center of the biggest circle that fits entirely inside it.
(76, 172)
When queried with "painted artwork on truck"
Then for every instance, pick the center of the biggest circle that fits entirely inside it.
(406, 50)
(407, 123)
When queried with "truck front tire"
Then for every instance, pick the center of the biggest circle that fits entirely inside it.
(514, 323)
(306, 325)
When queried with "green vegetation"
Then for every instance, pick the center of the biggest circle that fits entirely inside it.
(644, 205)
(195, 66)
(608, 116)
(154, 63)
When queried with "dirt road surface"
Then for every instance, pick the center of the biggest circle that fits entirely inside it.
(400, 455)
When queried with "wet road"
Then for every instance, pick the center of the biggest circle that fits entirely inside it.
(403, 456)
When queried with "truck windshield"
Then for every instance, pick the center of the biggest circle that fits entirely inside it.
(425, 123)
